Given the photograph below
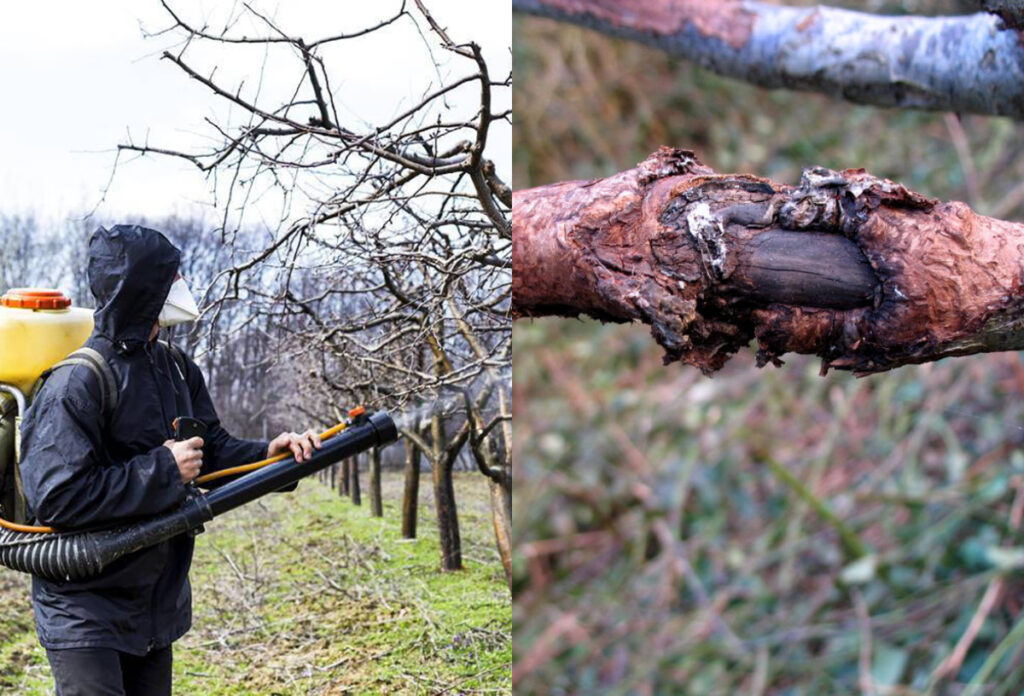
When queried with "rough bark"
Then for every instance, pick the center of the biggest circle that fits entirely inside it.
(376, 500)
(972, 63)
(357, 497)
(677, 246)
(411, 493)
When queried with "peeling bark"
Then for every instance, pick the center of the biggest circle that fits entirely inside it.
(858, 270)
(972, 63)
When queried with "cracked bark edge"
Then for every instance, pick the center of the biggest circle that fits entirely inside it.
(858, 270)
(970, 63)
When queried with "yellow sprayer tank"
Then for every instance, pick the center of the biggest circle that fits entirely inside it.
(38, 328)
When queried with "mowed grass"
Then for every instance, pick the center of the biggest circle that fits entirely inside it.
(305, 593)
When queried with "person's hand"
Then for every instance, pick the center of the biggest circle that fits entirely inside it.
(189, 456)
(301, 446)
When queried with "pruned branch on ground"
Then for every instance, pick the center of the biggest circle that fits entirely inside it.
(858, 270)
(972, 63)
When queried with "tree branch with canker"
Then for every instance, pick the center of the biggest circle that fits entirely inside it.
(858, 270)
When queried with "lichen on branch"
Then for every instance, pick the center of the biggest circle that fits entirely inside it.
(858, 270)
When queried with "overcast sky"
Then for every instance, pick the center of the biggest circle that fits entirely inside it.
(77, 76)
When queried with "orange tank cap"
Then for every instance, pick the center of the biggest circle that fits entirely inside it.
(356, 412)
(35, 298)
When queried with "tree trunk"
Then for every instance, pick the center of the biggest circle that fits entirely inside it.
(972, 63)
(334, 476)
(357, 498)
(858, 270)
(447, 516)
(411, 494)
(345, 488)
(501, 512)
(376, 503)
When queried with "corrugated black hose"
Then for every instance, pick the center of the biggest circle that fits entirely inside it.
(65, 556)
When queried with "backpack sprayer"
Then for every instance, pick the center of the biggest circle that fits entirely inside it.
(47, 333)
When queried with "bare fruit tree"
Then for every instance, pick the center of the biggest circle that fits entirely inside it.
(387, 272)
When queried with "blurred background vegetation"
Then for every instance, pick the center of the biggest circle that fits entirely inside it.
(765, 531)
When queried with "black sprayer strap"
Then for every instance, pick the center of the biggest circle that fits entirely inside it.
(94, 360)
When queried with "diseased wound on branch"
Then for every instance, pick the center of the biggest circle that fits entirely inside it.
(858, 270)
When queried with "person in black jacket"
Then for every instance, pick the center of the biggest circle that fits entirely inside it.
(112, 634)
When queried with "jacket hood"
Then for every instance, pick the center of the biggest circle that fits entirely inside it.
(131, 269)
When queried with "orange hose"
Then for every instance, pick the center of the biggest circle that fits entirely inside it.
(25, 527)
(325, 435)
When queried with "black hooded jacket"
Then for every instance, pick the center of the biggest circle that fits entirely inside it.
(82, 469)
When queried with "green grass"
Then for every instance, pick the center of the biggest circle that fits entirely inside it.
(305, 593)
(660, 552)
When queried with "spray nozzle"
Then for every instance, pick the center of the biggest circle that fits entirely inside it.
(358, 416)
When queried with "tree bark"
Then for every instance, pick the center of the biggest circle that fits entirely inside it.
(858, 270)
(501, 512)
(971, 63)
(447, 517)
(432, 439)
(344, 488)
(411, 494)
(357, 498)
(376, 501)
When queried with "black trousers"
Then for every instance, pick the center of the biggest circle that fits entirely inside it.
(101, 672)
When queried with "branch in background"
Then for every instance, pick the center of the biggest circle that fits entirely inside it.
(858, 270)
(501, 190)
(966, 64)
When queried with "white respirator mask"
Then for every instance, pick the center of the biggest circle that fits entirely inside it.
(180, 306)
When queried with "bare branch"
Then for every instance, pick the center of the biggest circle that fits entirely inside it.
(966, 64)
